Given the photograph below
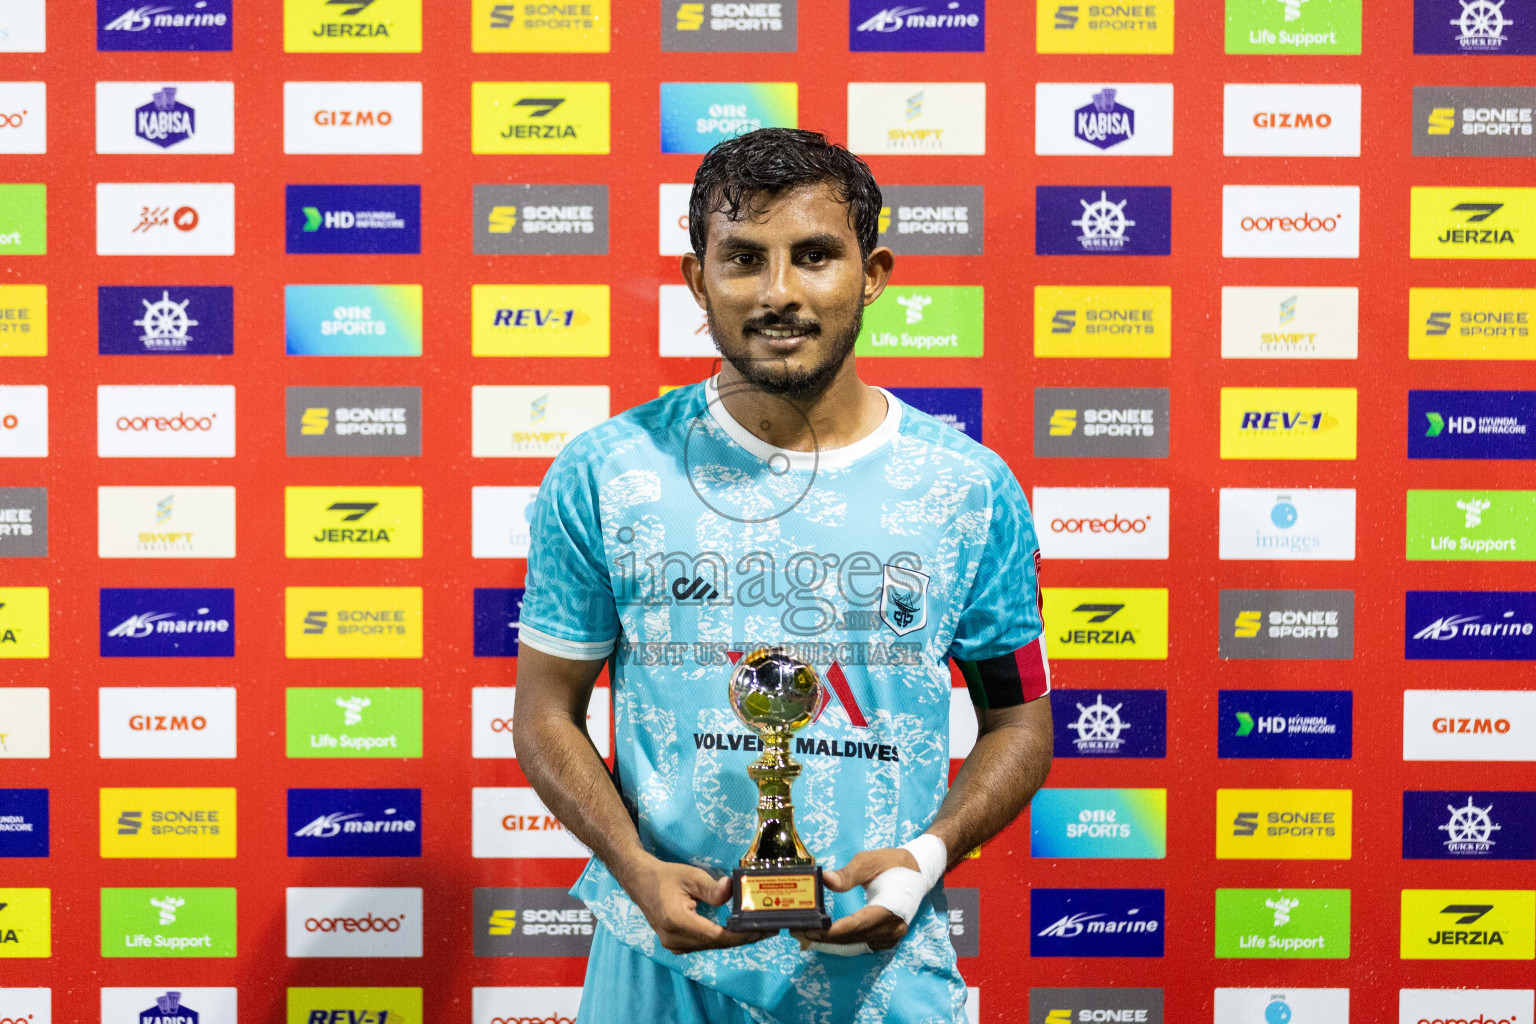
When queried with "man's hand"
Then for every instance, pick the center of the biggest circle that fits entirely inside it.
(669, 895)
(876, 926)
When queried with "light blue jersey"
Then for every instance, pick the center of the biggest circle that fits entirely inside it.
(671, 539)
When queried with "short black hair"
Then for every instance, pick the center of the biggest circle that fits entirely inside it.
(764, 164)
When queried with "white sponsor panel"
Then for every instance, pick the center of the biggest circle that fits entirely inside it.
(1290, 323)
(1465, 1005)
(674, 239)
(1289, 524)
(684, 326)
(1290, 221)
(1102, 522)
(963, 727)
(165, 522)
(534, 421)
(23, 116)
(1095, 119)
(171, 421)
(166, 721)
(917, 118)
(1291, 120)
(26, 1005)
(534, 1004)
(23, 721)
(1469, 725)
(165, 219)
(511, 821)
(23, 421)
(354, 922)
(502, 519)
(125, 1005)
(1261, 1005)
(352, 117)
(972, 1005)
(155, 118)
(491, 718)
(23, 30)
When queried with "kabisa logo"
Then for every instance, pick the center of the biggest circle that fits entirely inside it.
(344, 922)
(1115, 723)
(539, 117)
(166, 721)
(531, 922)
(1468, 924)
(352, 26)
(174, 320)
(1472, 223)
(23, 823)
(1129, 220)
(1099, 823)
(1294, 624)
(354, 722)
(1089, 623)
(1471, 625)
(756, 26)
(164, 121)
(1284, 824)
(168, 922)
(24, 520)
(164, 25)
(1474, 121)
(354, 218)
(168, 1009)
(353, 622)
(168, 823)
(353, 522)
(501, 27)
(1101, 423)
(368, 421)
(537, 220)
(949, 26)
(1475, 27)
(1462, 825)
(1471, 424)
(696, 115)
(353, 320)
(1070, 1005)
(1096, 922)
(1285, 723)
(354, 823)
(933, 220)
(497, 614)
(25, 930)
(1103, 28)
(167, 623)
(957, 407)
(1282, 924)
(1103, 122)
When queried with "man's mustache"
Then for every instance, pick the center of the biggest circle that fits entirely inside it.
(779, 321)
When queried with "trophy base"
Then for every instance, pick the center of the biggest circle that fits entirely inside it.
(767, 899)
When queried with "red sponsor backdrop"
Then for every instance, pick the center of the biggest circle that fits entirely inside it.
(1010, 170)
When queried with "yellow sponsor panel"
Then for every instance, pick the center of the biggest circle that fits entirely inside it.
(1468, 924)
(359, 1005)
(353, 622)
(539, 117)
(352, 522)
(26, 926)
(1078, 27)
(23, 319)
(1103, 322)
(1471, 323)
(502, 27)
(148, 822)
(23, 622)
(1288, 423)
(1284, 824)
(1127, 623)
(539, 319)
(1473, 224)
(377, 26)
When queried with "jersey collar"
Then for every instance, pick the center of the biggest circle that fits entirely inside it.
(826, 458)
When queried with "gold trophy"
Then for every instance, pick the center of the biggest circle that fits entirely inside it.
(778, 884)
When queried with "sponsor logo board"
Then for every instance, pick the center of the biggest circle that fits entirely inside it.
(1066, 1005)
(1102, 522)
(353, 622)
(168, 922)
(956, 407)
(1285, 723)
(1099, 823)
(1468, 924)
(933, 220)
(511, 821)
(1288, 423)
(352, 522)
(491, 720)
(939, 320)
(353, 218)
(757, 27)
(23, 320)
(165, 522)
(1472, 526)
(1470, 625)
(363, 1005)
(354, 922)
(1290, 221)
(533, 421)
(352, 117)
(23, 522)
(1287, 924)
(539, 320)
(164, 219)
(501, 27)
(1096, 322)
(1103, 28)
(378, 26)
(1469, 725)
(197, 823)
(26, 921)
(540, 220)
(1491, 1004)
(1103, 220)
(1471, 323)
(1474, 121)
(531, 922)
(1291, 120)
(1096, 922)
(23, 827)
(1471, 424)
(369, 422)
(1472, 27)
(24, 220)
(1106, 623)
(1290, 323)
(1287, 624)
(23, 113)
(166, 721)
(1284, 824)
(352, 320)
(1463, 825)
(166, 25)
(23, 722)
(170, 320)
(354, 823)
(1128, 423)
(915, 118)
(24, 622)
(327, 721)
(539, 117)
(1263, 1005)
(1114, 723)
(158, 117)
(876, 26)
(1093, 119)
(1310, 524)
(167, 622)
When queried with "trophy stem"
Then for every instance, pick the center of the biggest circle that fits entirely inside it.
(777, 844)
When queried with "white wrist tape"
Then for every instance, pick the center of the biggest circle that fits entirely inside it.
(901, 890)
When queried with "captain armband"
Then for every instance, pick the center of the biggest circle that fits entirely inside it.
(1010, 680)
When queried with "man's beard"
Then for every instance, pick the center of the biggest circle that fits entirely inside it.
(774, 375)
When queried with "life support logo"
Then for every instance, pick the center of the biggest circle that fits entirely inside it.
(904, 599)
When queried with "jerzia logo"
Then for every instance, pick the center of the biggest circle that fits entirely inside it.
(1472, 223)
(1104, 123)
(539, 117)
(1468, 924)
(1127, 623)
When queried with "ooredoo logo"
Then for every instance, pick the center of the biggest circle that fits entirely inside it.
(366, 923)
(1466, 1006)
(534, 1005)
(1291, 221)
(181, 421)
(1102, 522)
(1304, 222)
(348, 922)
(1114, 524)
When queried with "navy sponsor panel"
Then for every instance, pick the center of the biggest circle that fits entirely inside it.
(354, 823)
(1470, 625)
(1460, 824)
(23, 823)
(497, 611)
(167, 622)
(1472, 424)
(1103, 220)
(1473, 27)
(1286, 723)
(1096, 922)
(954, 26)
(959, 407)
(354, 219)
(165, 25)
(165, 320)
(1110, 723)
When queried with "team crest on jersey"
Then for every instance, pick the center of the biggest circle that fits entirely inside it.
(904, 599)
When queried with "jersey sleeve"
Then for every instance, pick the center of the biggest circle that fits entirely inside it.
(568, 604)
(998, 642)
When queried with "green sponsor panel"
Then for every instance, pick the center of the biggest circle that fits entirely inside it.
(1286, 924)
(167, 922)
(354, 721)
(944, 320)
(23, 220)
(1471, 526)
(1293, 26)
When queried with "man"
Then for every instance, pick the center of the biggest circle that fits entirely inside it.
(784, 502)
